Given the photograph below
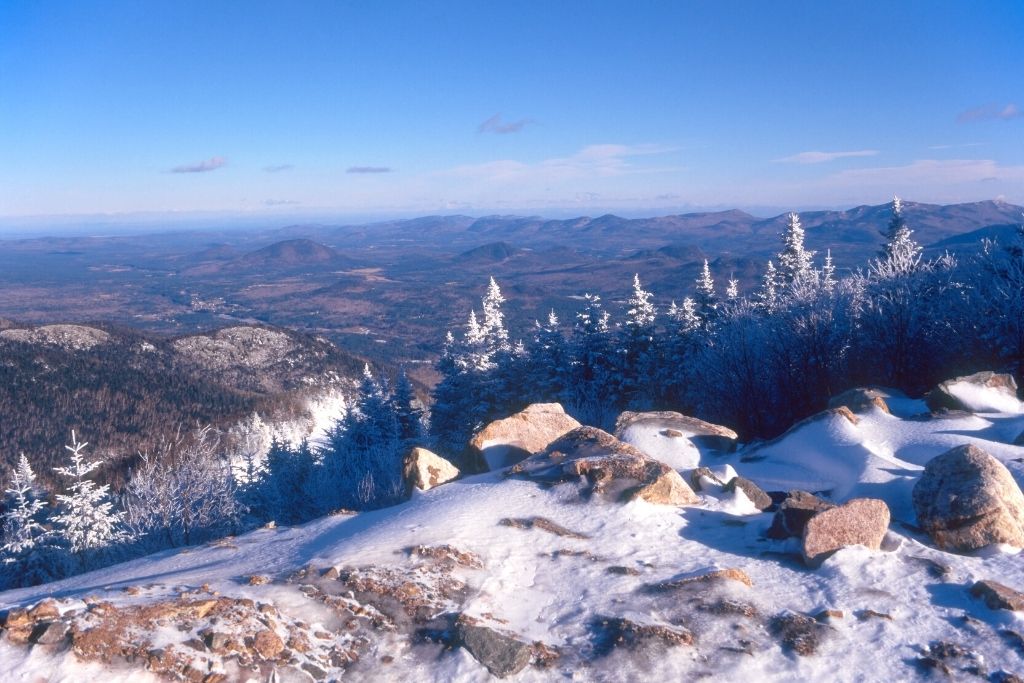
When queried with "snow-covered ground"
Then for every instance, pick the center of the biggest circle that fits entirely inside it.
(558, 590)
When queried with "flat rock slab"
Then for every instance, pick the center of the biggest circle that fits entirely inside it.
(502, 653)
(998, 596)
(861, 521)
(673, 438)
(507, 441)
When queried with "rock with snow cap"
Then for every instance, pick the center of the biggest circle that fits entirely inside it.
(507, 441)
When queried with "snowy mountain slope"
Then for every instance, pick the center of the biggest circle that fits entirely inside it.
(622, 562)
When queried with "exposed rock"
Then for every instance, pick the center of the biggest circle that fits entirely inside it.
(447, 556)
(962, 393)
(424, 470)
(714, 576)
(998, 596)
(966, 500)
(672, 425)
(794, 512)
(70, 337)
(613, 632)
(607, 467)
(862, 521)
(16, 618)
(760, 499)
(45, 609)
(258, 580)
(267, 644)
(826, 615)
(704, 473)
(798, 633)
(859, 400)
(865, 614)
(542, 523)
(502, 653)
(505, 442)
(50, 632)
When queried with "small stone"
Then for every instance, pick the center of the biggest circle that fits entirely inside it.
(794, 513)
(267, 644)
(865, 614)
(331, 573)
(829, 614)
(761, 500)
(258, 580)
(798, 633)
(50, 632)
(698, 473)
(502, 654)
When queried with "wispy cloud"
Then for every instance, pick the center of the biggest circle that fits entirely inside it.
(280, 202)
(593, 161)
(991, 112)
(278, 168)
(957, 145)
(369, 169)
(495, 124)
(823, 157)
(211, 164)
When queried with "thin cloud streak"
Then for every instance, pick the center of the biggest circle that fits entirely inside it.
(278, 168)
(991, 112)
(369, 169)
(496, 125)
(211, 164)
(823, 157)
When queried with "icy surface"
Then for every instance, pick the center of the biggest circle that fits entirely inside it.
(551, 588)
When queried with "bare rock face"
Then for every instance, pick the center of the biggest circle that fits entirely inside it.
(609, 468)
(503, 654)
(794, 513)
(960, 393)
(859, 400)
(424, 470)
(861, 521)
(505, 442)
(966, 500)
(998, 596)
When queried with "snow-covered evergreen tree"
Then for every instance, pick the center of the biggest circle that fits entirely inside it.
(493, 326)
(407, 410)
(795, 261)
(828, 273)
(732, 292)
(901, 254)
(707, 300)
(26, 551)
(636, 351)
(767, 297)
(86, 521)
(592, 391)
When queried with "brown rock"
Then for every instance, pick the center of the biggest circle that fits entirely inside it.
(859, 400)
(667, 489)
(966, 500)
(505, 442)
(258, 580)
(998, 596)
(50, 632)
(267, 644)
(760, 499)
(794, 513)
(504, 654)
(16, 618)
(714, 576)
(542, 523)
(621, 632)
(45, 609)
(829, 614)
(861, 521)
(799, 633)
(424, 470)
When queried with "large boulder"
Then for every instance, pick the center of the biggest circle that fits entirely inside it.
(673, 438)
(978, 393)
(861, 521)
(608, 468)
(502, 653)
(966, 500)
(424, 470)
(860, 400)
(507, 441)
(793, 514)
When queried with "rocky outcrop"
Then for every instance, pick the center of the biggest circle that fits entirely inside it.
(998, 596)
(974, 393)
(761, 500)
(966, 500)
(673, 438)
(507, 441)
(606, 467)
(424, 470)
(793, 514)
(862, 521)
(502, 653)
(860, 400)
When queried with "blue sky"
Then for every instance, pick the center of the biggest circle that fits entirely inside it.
(385, 108)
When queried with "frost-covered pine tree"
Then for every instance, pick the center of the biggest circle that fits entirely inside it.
(732, 292)
(795, 261)
(592, 389)
(828, 274)
(407, 410)
(26, 553)
(636, 352)
(548, 360)
(493, 326)
(706, 298)
(476, 356)
(767, 297)
(901, 254)
(86, 521)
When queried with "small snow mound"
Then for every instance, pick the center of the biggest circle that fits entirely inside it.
(69, 337)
